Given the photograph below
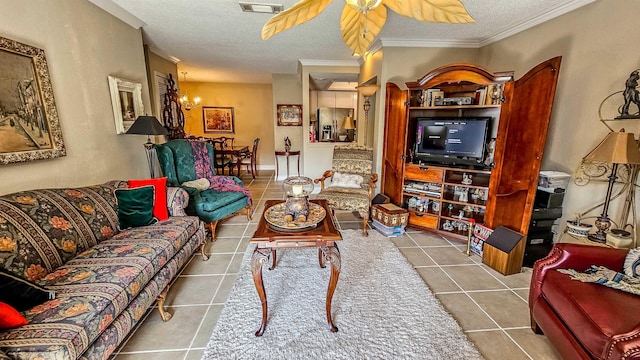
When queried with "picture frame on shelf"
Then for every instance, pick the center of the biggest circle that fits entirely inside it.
(289, 115)
(29, 123)
(126, 101)
(218, 119)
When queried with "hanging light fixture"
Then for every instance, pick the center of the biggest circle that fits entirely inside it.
(362, 20)
(184, 99)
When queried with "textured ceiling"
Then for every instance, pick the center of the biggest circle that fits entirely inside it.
(215, 41)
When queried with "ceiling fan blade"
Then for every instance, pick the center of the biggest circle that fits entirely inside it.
(299, 13)
(359, 30)
(443, 11)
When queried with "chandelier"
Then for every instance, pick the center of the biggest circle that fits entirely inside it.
(362, 20)
(184, 99)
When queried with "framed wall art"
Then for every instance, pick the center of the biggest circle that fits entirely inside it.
(126, 100)
(289, 115)
(218, 119)
(29, 124)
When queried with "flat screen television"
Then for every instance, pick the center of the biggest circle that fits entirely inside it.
(455, 141)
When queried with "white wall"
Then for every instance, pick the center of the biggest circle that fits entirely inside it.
(287, 89)
(83, 45)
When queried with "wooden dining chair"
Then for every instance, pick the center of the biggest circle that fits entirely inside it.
(250, 160)
(220, 160)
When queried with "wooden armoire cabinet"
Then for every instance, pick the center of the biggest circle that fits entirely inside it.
(500, 193)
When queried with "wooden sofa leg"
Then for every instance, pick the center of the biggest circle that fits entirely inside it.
(365, 221)
(164, 314)
(203, 252)
(249, 213)
(212, 227)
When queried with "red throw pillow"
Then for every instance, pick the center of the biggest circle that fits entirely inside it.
(160, 209)
(10, 318)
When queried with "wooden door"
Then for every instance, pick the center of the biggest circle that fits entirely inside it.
(522, 134)
(395, 142)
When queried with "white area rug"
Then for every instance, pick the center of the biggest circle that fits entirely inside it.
(381, 306)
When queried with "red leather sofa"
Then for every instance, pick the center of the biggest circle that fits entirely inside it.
(584, 320)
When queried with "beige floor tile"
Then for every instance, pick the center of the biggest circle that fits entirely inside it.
(473, 277)
(403, 241)
(206, 329)
(346, 216)
(225, 245)
(162, 355)
(437, 280)
(514, 281)
(448, 256)
(416, 257)
(234, 266)
(507, 309)
(230, 230)
(187, 290)
(424, 239)
(496, 345)
(155, 334)
(195, 354)
(537, 346)
(524, 294)
(468, 314)
(224, 289)
(352, 225)
(216, 265)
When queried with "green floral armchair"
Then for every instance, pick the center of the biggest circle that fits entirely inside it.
(177, 163)
(352, 181)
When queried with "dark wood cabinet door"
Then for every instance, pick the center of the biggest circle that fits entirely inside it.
(522, 134)
(395, 140)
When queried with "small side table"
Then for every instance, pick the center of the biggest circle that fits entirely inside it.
(287, 154)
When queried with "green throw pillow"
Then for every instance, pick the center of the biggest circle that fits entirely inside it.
(135, 206)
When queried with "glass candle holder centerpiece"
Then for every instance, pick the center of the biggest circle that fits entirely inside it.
(297, 189)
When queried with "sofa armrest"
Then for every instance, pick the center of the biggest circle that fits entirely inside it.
(177, 201)
(372, 184)
(237, 180)
(573, 256)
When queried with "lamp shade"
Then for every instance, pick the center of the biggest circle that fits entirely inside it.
(367, 90)
(147, 125)
(347, 123)
(617, 148)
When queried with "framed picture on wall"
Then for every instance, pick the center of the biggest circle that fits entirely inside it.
(218, 119)
(29, 124)
(289, 115)
(126, 101)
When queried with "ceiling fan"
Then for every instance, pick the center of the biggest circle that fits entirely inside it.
(362, 20)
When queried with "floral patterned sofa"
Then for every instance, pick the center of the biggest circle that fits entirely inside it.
(68, 241)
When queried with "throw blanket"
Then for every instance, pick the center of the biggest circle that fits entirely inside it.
(202, 164)
(607, 277)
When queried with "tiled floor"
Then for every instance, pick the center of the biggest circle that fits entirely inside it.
(491, 308)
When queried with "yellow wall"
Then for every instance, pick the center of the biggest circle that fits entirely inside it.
(81, 52)
(598, 45)
(253, 113)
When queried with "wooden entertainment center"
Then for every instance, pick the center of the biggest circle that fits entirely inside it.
(497, 190)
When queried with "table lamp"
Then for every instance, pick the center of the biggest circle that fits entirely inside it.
(148, 125)
(616, 148)
(348, 125)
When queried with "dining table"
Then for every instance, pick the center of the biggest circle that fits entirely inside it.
(237, 153)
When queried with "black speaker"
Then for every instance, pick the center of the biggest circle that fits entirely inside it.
(380, 199)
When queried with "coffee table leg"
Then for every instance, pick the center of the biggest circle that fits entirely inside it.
(259, 257)
(332, 255)
(274, 255)
(320, 258)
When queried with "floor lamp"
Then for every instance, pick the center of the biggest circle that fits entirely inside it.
(148, 125)
(617, 148)
(367, 91)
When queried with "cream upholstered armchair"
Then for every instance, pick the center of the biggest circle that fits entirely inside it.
(352, 181)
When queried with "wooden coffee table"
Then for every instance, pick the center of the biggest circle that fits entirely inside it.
(269, 238)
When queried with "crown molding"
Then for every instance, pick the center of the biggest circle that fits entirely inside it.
(388, 42)
(163, 54)
(120, 13)
(312, 62)
(551, 14)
